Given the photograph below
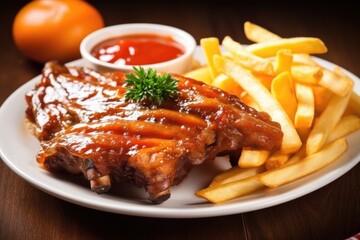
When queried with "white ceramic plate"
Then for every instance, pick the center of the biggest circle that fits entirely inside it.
(18, 149)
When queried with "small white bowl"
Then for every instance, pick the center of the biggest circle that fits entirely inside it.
(179, 65)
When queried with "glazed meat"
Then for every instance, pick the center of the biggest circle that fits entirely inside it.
(86, 126)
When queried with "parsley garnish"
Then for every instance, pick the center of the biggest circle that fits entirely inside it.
(148, 85)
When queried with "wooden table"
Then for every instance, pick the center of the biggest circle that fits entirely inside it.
(332, 212)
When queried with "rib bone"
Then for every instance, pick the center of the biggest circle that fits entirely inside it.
(101, 184)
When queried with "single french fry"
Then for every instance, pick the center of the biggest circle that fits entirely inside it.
(266, 80)
(305, 59)
(276, 160)
(322, 97)
(306, 45)
(346, 125)
(231, 45)
(231, 190)
(301, 153)
(306, 73)
(201, 74)
(306, 166)
(254, 63)
(283, 62)
(340, 85)
(246, 59)
(283, 91)
(225, 83)
(306, 106)
(210, 47)
(326, 123)
(257, 34)
(234, 174)
(291, 141)
(354, 103)
(252, 157)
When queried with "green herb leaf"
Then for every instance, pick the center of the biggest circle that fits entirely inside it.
(148, 85)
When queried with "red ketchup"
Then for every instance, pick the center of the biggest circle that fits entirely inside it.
(138, 49)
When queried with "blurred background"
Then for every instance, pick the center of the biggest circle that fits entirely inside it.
(319, 16)
(214, 18)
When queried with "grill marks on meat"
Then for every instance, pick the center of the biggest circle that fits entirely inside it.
(85, 126)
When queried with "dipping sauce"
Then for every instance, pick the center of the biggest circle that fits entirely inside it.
(139, 49)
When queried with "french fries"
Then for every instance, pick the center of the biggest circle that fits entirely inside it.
(247, 59)
(346, 125)
(284, 59)
(228, 84)
(354, 103)
(305, 112)
(306, 166)
(234, 174)
(211, 47)
(252, 157)
(230, 190)
(325, 123)
(291, 140)
(283, 91)
(257, 33)
(316, 108)
(322, 97)
(231, 45)
(307, 74)
(305, 59)
(276, 160)
(201, 74)
(296, 45)
(340, 85)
